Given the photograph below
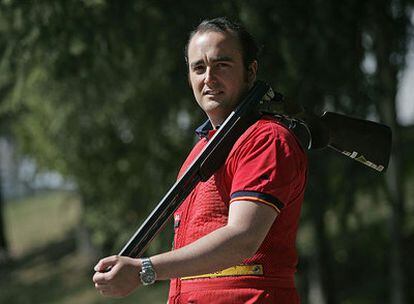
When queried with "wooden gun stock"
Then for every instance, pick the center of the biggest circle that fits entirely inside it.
(364, 141)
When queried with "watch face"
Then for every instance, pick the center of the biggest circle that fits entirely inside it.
(148, 277)
(147, 273)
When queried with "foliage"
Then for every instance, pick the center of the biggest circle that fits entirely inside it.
(98, 104)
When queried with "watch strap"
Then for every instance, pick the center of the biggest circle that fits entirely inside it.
(147, 273)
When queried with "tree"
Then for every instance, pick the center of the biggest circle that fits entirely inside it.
(7, 81)
(88, 106)
(3, 240)
(389, 47)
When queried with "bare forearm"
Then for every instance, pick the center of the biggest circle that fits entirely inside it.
(247, 226)
(224, 247)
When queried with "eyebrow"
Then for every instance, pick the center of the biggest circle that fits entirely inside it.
(215, 59)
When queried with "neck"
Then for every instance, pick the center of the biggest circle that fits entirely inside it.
(216, 122)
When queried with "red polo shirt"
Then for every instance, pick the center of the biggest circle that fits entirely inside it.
(266, 165)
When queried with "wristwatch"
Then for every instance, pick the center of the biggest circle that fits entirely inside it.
(147, 273)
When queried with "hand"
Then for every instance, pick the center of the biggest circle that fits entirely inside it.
(121, 279)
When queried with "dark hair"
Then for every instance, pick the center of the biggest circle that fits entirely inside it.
(249, 47)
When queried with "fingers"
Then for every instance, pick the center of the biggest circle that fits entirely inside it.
(102, 286)
(105, 270)
(120, 280)
(106, 263)
(106, 290)
(102, 282)
(100, 278)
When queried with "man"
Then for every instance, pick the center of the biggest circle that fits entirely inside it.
(235, 233)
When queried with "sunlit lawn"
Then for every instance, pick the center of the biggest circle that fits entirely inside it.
(45, 267)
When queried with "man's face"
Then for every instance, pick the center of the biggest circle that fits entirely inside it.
(217, 73)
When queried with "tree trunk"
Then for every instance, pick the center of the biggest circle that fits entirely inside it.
(323, 290)
(387, 87)
(84, 245)
(4, 249)
(316, 294)
(395, 190)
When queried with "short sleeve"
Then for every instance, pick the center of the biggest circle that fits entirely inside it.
(268, 167)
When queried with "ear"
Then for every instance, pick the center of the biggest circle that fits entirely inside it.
(252, 71)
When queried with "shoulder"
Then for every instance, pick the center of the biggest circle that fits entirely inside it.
(268, 130)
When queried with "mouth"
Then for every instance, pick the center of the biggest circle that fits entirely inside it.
(211, 92)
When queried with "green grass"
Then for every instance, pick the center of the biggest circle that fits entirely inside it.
(43, 218)
(45, 267)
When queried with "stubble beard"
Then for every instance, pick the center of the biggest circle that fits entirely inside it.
(223, 108)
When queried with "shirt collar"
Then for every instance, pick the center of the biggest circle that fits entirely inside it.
(203, 130)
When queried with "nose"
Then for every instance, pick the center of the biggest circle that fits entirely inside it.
(210, 76)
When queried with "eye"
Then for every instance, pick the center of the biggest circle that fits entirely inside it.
(223, 65)
(199, 69)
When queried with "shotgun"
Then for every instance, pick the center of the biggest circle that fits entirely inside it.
(364, 141)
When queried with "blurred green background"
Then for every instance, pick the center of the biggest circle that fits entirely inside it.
(96, 116)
